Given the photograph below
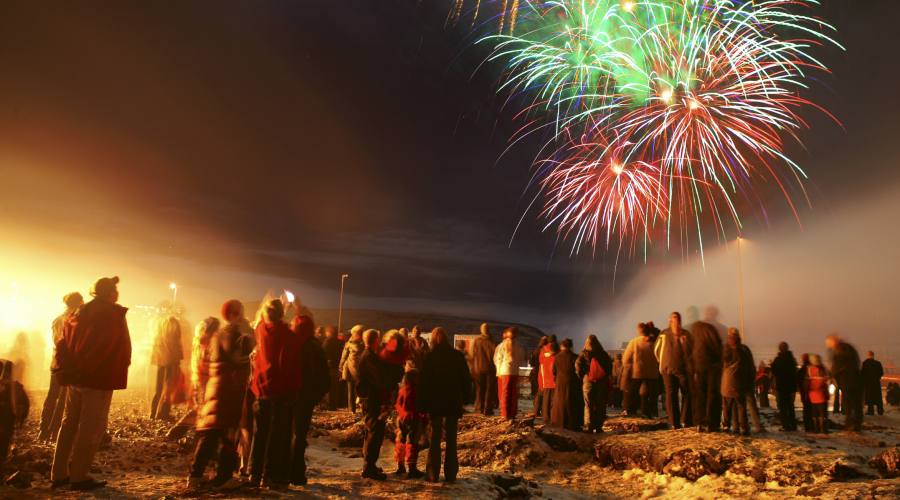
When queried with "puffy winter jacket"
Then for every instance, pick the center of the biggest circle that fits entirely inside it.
(674, 352)
(445, 382)
(784, 370)
(483, 355)
(706, 347)
(167, 349)
(546, 379)
(229, 372)
(641, 360)
(815, 384)
(349, 365)
(95, 350)
(738, 371)
(276, 368)
(508, 357)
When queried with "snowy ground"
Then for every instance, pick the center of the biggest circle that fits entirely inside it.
(498, 460)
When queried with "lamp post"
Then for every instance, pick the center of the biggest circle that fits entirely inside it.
(174, 288)
(341, 304)
(741, 286)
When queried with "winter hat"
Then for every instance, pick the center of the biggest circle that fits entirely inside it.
(815, 359)
(73, 299)
(357, 329)
(232, 307)
(103, 287)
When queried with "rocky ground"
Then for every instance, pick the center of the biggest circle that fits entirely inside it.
(634, 458)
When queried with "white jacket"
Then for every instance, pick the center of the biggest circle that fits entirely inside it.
(508, 357)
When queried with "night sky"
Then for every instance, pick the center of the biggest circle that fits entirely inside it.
(303, 139)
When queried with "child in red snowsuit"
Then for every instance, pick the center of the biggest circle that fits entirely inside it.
(409, 426)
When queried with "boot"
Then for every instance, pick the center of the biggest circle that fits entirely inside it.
(414, 472)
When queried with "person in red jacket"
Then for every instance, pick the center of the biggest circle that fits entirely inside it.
(409, 426)
(815, 387)
(546, 377)
(275, 384)
(92, 359)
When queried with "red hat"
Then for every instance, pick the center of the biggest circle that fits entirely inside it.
(231, 308)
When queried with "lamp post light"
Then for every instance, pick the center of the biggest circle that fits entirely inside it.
(341, 303)
(174, 288)
(741, 286)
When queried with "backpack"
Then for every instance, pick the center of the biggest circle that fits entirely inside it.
(596, 372)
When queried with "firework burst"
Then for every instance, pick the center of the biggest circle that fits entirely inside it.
(699, 96)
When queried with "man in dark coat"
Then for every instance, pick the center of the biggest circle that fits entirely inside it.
(92, 359)
(784, 370)
(374, 392)
(314, 384)
(737, 382)
(333, 348)
(484, 372)
(444, 385)
(872, 371)
(846, 373)
(594, 366)
(568, 398)
(672, 350)
(706, 363)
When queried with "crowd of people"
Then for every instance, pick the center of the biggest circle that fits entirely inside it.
(255, 387)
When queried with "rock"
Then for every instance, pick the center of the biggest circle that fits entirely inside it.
(692, 464)
(506, 481)
(20, 479)
(633, 424)
(842, 471)
(557, 440)
(886, 462)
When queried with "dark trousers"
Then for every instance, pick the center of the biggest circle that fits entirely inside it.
(838, 399)
(677, 387)
(6, 438)
(819, 417)
(595, 396)
(271, 448)
(334, 390)
(538, 402)
(375, 424)
(785, 402)
(448, 427)
(351, 395)
(212, 443)
(546, 403)
(485, 393)
(52, 413)
(162, 398)
(853, 408)
(879, 404)
(807, 414)
(642, 393)
(736, 413)
(707, 404)
(302, 418)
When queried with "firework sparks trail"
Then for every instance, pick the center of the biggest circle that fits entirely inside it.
(660, 111)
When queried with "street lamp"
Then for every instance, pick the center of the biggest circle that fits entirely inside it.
(341, 304)
(174, 288)
(741, 286)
